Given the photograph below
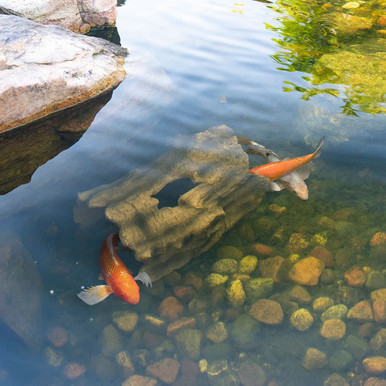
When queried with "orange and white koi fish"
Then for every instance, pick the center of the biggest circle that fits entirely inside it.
(119, 280)
(294, 181)
(279, 169)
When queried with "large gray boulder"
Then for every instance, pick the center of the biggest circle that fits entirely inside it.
(75, 15)
(47, 68)
(166, 238)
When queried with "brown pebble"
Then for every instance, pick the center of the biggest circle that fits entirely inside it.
(192, 279)
(57, 336)
(361, 312)
(166, 370)
(372, 381)
(314, 359)
(355, 277)
(307, 271)
(270, 268)
(374, 365)
(262, 250)
(378, 239)
(379, 309)
(333, 329)
(74, 370)
(324, 255)
(267, 311)
(139, 380)
(185, 322)
(184, 293)
(366, 329)
(170, 308)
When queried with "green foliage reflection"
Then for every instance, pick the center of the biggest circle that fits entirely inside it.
(340, 43)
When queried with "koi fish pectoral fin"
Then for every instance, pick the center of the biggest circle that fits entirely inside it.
(144, 278)
(304, 172)
(95, 294)
(275, 186)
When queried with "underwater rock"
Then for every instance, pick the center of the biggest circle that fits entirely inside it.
(322, 303)
(288, 306)
(57, 336)
(140, 380)
(52, 66)
(125, 320)
(357, 346)
(361, 312)
(375, 280)
(307, 271)
(166, 370)
(262, 250)
(184, 293)
(215, 279)
(154, 321)
(20, 290)
(333, 329)
(251, 374)
(327, 276)
(271, 267)
(124, 360)
(77, 16)
(73, 370)
(379, 310)
(193, 279)
(110, 341)
(267, 311)
(235, 293)
(378, 341)
(373, 381)
(374, 365)
(229, 252)
(258, 288)
(53, 357)
(379, 294)
(301, 319)
(176, 325)
(189, 342)
(299, 294)
(170, 308)
(338, 311)
(314, 359)
(248, 264)
(323, 254)
(225, 266)
(296, 243)
(103, 367)
(168, 238)
(335, 380)
(378, 239)
(217, 332)
(244, 331)
(340, 360)
(355, 277)
(189, 372)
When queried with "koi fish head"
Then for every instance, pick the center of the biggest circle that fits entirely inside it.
(127, 291)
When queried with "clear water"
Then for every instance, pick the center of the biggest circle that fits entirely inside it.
(207, 63)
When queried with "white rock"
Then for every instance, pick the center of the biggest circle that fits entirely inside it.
(53, 67)
(76, 15)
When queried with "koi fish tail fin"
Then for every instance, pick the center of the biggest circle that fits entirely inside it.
(95, 294)
(144, 278)
(318, 150)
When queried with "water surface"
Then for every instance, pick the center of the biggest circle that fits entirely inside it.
(201, 64)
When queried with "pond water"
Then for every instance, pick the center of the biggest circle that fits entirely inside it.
(265, 71)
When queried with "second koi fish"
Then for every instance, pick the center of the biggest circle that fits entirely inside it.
(119, 280)
(279, 169)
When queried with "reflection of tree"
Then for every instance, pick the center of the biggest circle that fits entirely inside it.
(319, 39)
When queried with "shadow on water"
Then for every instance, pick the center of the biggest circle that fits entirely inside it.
(27, 147)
